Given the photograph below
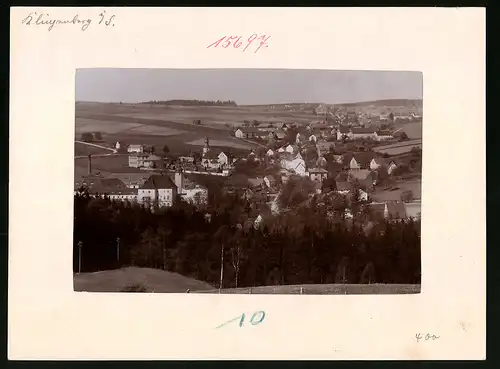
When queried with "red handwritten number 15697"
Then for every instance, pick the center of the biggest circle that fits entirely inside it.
(237, 42)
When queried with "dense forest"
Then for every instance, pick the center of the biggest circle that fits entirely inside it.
(306, 245)
(193, 102)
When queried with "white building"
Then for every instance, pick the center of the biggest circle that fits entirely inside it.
(126, 194)
(318, 174)
(135, 149)
(296, 165)
(190, 191)
(158, 189)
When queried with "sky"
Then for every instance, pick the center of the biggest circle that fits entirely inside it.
(246, 86)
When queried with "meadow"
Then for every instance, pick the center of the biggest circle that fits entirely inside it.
(395, 191)
(159, 125)
(413, 130)
(399, 148)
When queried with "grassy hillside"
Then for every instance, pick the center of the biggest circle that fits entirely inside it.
(154, 280)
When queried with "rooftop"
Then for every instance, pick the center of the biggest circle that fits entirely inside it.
(158, 182)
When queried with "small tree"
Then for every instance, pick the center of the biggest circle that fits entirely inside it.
(166, 150)
(368, 274)
(341, 275)
(97, 136)
(87, 137)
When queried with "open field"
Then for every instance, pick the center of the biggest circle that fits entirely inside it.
(82, 149)
(154, 280)
(325, 289)
(112, 163)
(221, 143)
(396, 106)
(399, 147)
(159, 125)
(413, 130)
(394, 193)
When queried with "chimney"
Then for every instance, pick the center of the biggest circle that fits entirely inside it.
(179, 182)
(90, 165)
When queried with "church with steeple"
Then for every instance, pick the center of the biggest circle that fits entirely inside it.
(214, 158)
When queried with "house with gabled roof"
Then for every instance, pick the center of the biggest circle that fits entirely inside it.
(344, 132)
(247, 132)
(318, 174)
(383, 135)
(361, 160)
(158, 189)
(364, 177)
(361, 132)
(377, 162)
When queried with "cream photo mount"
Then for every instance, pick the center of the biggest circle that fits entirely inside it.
(48, 320)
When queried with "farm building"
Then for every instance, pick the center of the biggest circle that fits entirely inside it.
(248, 132)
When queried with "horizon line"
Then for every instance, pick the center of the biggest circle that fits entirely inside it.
(262, 104)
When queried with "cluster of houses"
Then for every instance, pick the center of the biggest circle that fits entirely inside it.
(211, 159)
(159, 189)
(287, 156)
(315, 132)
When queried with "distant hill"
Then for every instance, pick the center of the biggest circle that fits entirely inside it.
(389, 102)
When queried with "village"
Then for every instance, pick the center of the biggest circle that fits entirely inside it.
(338, 154)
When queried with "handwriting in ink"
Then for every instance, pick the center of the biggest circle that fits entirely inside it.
(426, 337)
(239, 41)
(44, 19)
(256, 318)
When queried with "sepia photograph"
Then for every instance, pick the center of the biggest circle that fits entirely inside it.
(248, 181)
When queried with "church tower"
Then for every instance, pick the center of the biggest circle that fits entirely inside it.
(206, 148)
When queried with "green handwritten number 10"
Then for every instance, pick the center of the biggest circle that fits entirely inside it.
(256, 318)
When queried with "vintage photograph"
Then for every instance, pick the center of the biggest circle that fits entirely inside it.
(248, 181)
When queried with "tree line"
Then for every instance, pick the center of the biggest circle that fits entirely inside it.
(193, 102)
(304, 246)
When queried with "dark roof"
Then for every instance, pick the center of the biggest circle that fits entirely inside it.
(364, 159)
(396, 209)
(343, 186)
(344, 129)
(361, 130)
(384, 133)
(212, 154)
(361, 174)
(250, 130)
(237, 180)
(111, 183)
(317, 170)
(347, 157)
(379, 161)
(157, 181)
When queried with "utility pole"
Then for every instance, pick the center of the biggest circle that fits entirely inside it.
(221, 267)
(80, 244)
(118, 248)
